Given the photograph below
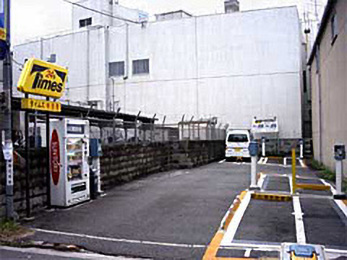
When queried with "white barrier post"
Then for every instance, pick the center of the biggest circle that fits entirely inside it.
(263, 146)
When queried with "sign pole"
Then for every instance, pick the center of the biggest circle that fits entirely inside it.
(27, 167)
(48, 177)
(7, 118)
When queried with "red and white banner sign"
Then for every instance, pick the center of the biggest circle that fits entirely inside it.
(55, 157)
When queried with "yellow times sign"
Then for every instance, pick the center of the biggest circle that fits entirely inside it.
(42, 78)
(43, 105)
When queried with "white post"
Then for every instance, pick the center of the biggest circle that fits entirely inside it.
(338, 168)
(301, 149)
(263, 147)
(254, 172)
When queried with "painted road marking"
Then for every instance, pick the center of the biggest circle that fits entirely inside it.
(235, 222)
(248, 252)
(259, 246)
(261, 180)
(130, 241)
(222, 161)
(303, 165)
(290, 184)
(215, 244)
(266, 159)
(299, 223)
(68, 255)
(339, 203)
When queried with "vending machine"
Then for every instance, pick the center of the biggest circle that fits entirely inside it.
(69, 151)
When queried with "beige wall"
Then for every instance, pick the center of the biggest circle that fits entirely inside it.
(333, 85)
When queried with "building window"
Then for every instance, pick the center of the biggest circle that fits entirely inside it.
(141, 66)
(116, 69)
(85, 22)
(334, 28)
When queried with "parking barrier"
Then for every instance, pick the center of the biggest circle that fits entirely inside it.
(268, 196)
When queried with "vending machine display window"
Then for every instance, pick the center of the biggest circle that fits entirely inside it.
(74, 150)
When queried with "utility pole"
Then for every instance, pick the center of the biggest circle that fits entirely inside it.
(7, 117)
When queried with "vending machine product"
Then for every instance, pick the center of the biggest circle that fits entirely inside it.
(69, 151)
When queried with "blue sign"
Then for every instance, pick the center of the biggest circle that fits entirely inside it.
(3, 44)
(2, 21)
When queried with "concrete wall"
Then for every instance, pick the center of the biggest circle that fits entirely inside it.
(233, 66)
(331, 100)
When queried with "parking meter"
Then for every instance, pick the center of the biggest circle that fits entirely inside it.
(339, 155)
(95, 154)
(95, 147)
(339, 152)
(253, 148)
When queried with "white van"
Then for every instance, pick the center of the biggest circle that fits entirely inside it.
(236, 144)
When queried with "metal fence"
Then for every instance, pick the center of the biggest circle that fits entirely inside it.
(118, 131)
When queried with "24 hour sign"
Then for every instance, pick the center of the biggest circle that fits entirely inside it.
(42, 78)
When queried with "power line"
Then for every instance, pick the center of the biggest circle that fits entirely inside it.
(100, 12)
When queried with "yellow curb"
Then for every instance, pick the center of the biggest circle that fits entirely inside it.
(231, 214)
(312, 186)
(243, 194)
(212, 249)
(246, 258)
(268, 196)
(345, 202)
(275, 157)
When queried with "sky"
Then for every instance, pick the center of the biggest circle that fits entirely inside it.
(34, 18)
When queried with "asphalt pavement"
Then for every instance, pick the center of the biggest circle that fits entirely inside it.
(171, 215)
(180, 215)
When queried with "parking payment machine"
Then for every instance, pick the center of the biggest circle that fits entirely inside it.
(69, 151)
(95, 154)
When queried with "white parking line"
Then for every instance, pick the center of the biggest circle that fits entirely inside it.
(110, 239)
(339, 203)
(222, 161)
(261, 160)
(299, 223)
(235, 221)
(51, 252)
(248, 252)
(302, 163)
(261, 180)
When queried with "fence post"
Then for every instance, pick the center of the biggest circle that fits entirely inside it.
(163, 130)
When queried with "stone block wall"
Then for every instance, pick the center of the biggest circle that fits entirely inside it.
(37, 181)
(119, 163)
(122, 163)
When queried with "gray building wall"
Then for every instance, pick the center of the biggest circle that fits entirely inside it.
(329, 89)
(232, 66)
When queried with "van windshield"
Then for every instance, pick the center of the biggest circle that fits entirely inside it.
(238, 138)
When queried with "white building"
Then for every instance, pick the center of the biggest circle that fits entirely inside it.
(234, 66)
